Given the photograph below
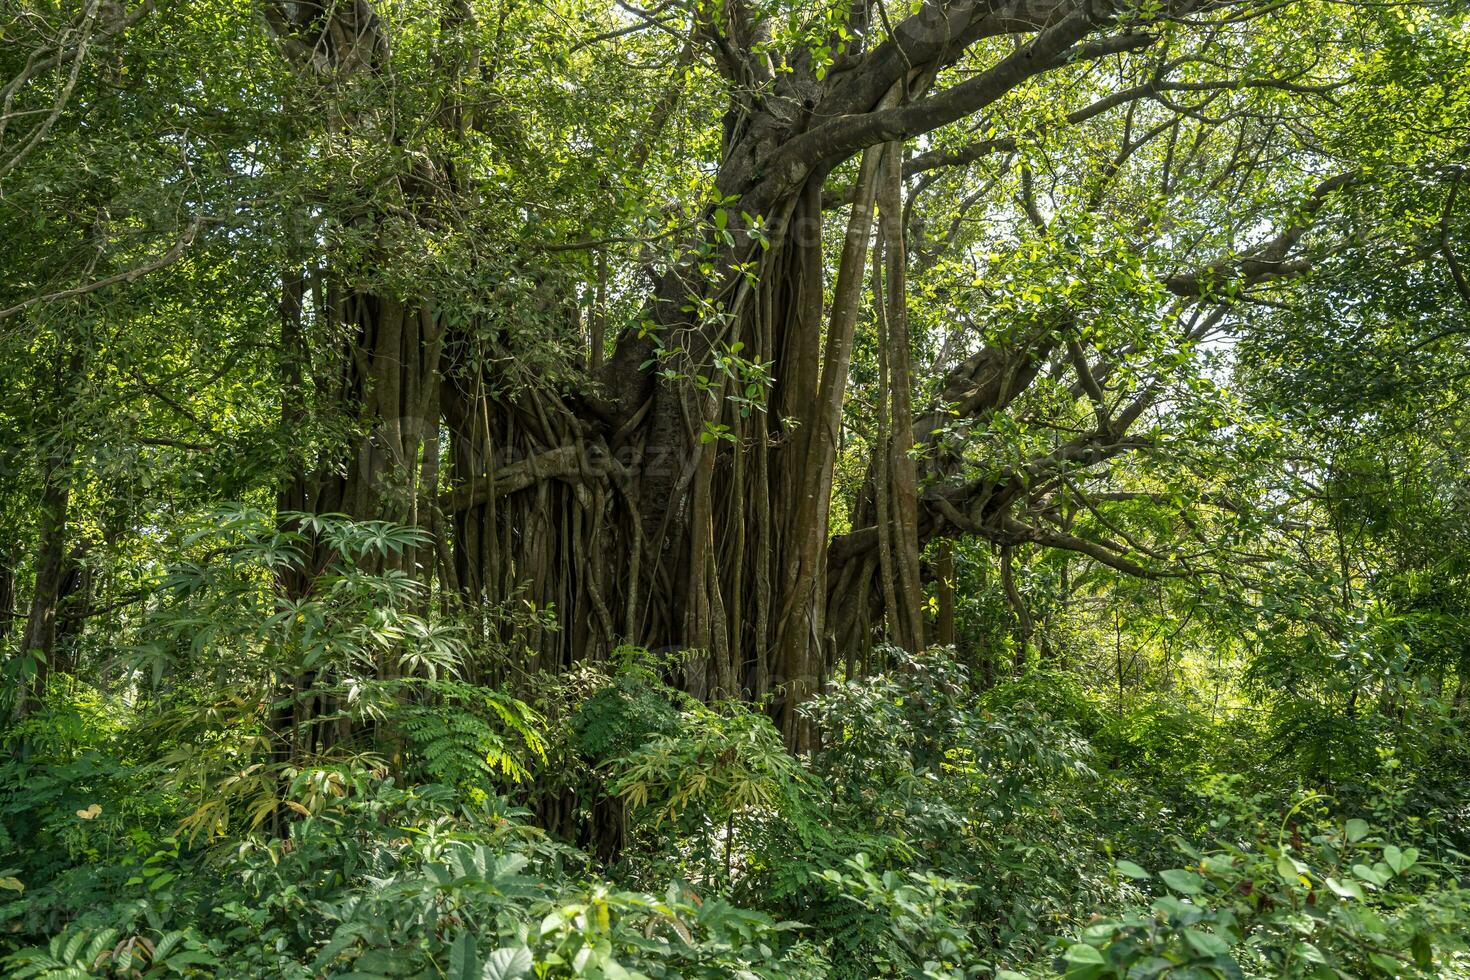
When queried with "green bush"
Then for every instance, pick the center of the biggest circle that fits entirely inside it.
(1316, 899)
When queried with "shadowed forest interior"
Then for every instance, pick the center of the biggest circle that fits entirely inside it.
(780, 489)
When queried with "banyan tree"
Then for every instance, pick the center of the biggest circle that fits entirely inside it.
(858, 232)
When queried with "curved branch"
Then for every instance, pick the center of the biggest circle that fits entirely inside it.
(1059, 44)
(175, 252)
(570, 462)
(1272, 260)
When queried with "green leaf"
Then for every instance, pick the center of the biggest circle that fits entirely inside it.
(508, 963)
(1369, 875)
(1291, 870)
(1184, 882)
(1387, 964)
(464, 959)
(1206, 944)
(1422, 950)
(1083, 953)
(1084, 962)
(1132, 870)
(1356, 830)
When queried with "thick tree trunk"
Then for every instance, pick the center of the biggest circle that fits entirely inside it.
(676, 517)
(802, 627)
(1024, 626)
(384, 389)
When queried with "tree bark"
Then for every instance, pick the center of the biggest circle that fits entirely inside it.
(38, 643)
(7, 596)
(906, 624)
(944, 634)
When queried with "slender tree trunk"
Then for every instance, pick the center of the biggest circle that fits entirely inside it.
(944, 632)
(908, 627)
(38, 643)
(1018, 607)
(7, 597)
(74, 605)
(1461, 702)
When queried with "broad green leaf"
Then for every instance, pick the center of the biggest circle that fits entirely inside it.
(1387, 964)
(508, 963)
(1084, 962)
(1132, 870)
(1369, 875)
(1206, 944)
(1184, 882)
(464, 958)
(1346, 889)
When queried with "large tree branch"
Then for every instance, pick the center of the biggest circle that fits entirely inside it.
(1457, 274)
(1112, 557)
(1271, 260)
(575, 462)
(172, 255)
(329, 37)
(836, 140)
(975, 150)
(98, 25)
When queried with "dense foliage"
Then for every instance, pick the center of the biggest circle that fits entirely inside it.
(735, 489)
(942, 831)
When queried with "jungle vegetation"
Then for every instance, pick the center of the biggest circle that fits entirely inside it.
(778, 489)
